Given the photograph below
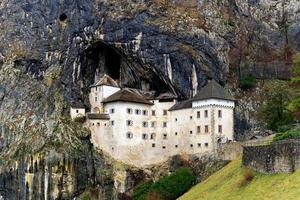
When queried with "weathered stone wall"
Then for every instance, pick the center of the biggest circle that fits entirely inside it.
(230, 151)
(283, 156)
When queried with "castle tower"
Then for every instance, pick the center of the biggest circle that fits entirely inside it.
(105, 87)
(217, 106)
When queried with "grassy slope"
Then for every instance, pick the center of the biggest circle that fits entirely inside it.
(226, 185)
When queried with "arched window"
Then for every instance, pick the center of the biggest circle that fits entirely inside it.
(129, 135)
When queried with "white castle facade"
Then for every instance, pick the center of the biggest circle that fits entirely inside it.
(141, 130)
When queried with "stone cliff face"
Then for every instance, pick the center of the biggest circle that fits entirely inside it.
(51, 51)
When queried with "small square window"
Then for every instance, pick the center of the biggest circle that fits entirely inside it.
(153, 113)
(129, 122)
(153, 145)
(191, 132)
(191, 117)
(220, 129)
(96, 88)
(206, 144)
(176, 133)
(129, 111)
(93, 124)
(165, 136)
(165, 124)
(95, 98)
(77, 111)
(137, 112)
(199, 145)
(191, 145)
(165, 112)
(206, 129)
(163, 147)
(129, 135)
(152, 136)
(175, 119)
(206, 113)
(145, 124)
(112, 111)
(145, 112)
(198, 114)
(98, 124)
(176, 146)
(220, 113)
(145, 136)
(198, 129)
(112, 123)
(152, 124)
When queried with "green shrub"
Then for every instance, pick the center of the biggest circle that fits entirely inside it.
(140, 191)
(247, 81)
(291, 134)
(168, 187)
(80, 119)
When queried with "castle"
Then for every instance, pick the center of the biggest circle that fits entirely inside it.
(141, 129)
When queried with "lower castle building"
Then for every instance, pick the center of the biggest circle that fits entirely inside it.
(140, 129)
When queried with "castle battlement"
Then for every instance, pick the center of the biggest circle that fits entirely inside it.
(142, 130)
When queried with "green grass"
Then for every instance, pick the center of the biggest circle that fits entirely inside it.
(226, 184)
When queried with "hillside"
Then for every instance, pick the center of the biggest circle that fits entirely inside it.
(227, 184)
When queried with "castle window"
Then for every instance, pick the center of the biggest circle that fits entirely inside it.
(165, 136)
(98, 124)
(176, 146)
(191, 145)
(198, 129)
(176, 133)
(77, 111)
(206, 144)
(129, 135)
(199, 145)
(165, 124)
(198, 114)
(152, 124)
(191, 117)
(95, 98)
(145, 124)
(165, 112)
(144, 136)
(129, 111)
(206, 113)
(112, 123)
(153, 113)
(220, 113)
(145, 112)
(220, 129)
(96, 88)
(175, 119)
(153, 145)
(164, 147)
(152, 136)
(112, 111)
(129, 122)
(137, 112)
(191, 132)
(206, 129)
(93, 124)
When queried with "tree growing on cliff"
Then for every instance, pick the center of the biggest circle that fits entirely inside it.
(294, 105)
(274, 110)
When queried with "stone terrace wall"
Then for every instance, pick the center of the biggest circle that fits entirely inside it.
(283, 156)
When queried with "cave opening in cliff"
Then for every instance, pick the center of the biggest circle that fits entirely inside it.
(102, 58)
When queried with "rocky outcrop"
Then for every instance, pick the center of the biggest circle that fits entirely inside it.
(51, 51)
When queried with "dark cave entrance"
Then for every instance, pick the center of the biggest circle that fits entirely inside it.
(112, 63)
(101, 58)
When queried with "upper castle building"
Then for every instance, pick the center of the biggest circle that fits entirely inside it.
(138, 128)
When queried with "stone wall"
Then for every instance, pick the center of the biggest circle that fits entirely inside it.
(230, 151)
(283, 156)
